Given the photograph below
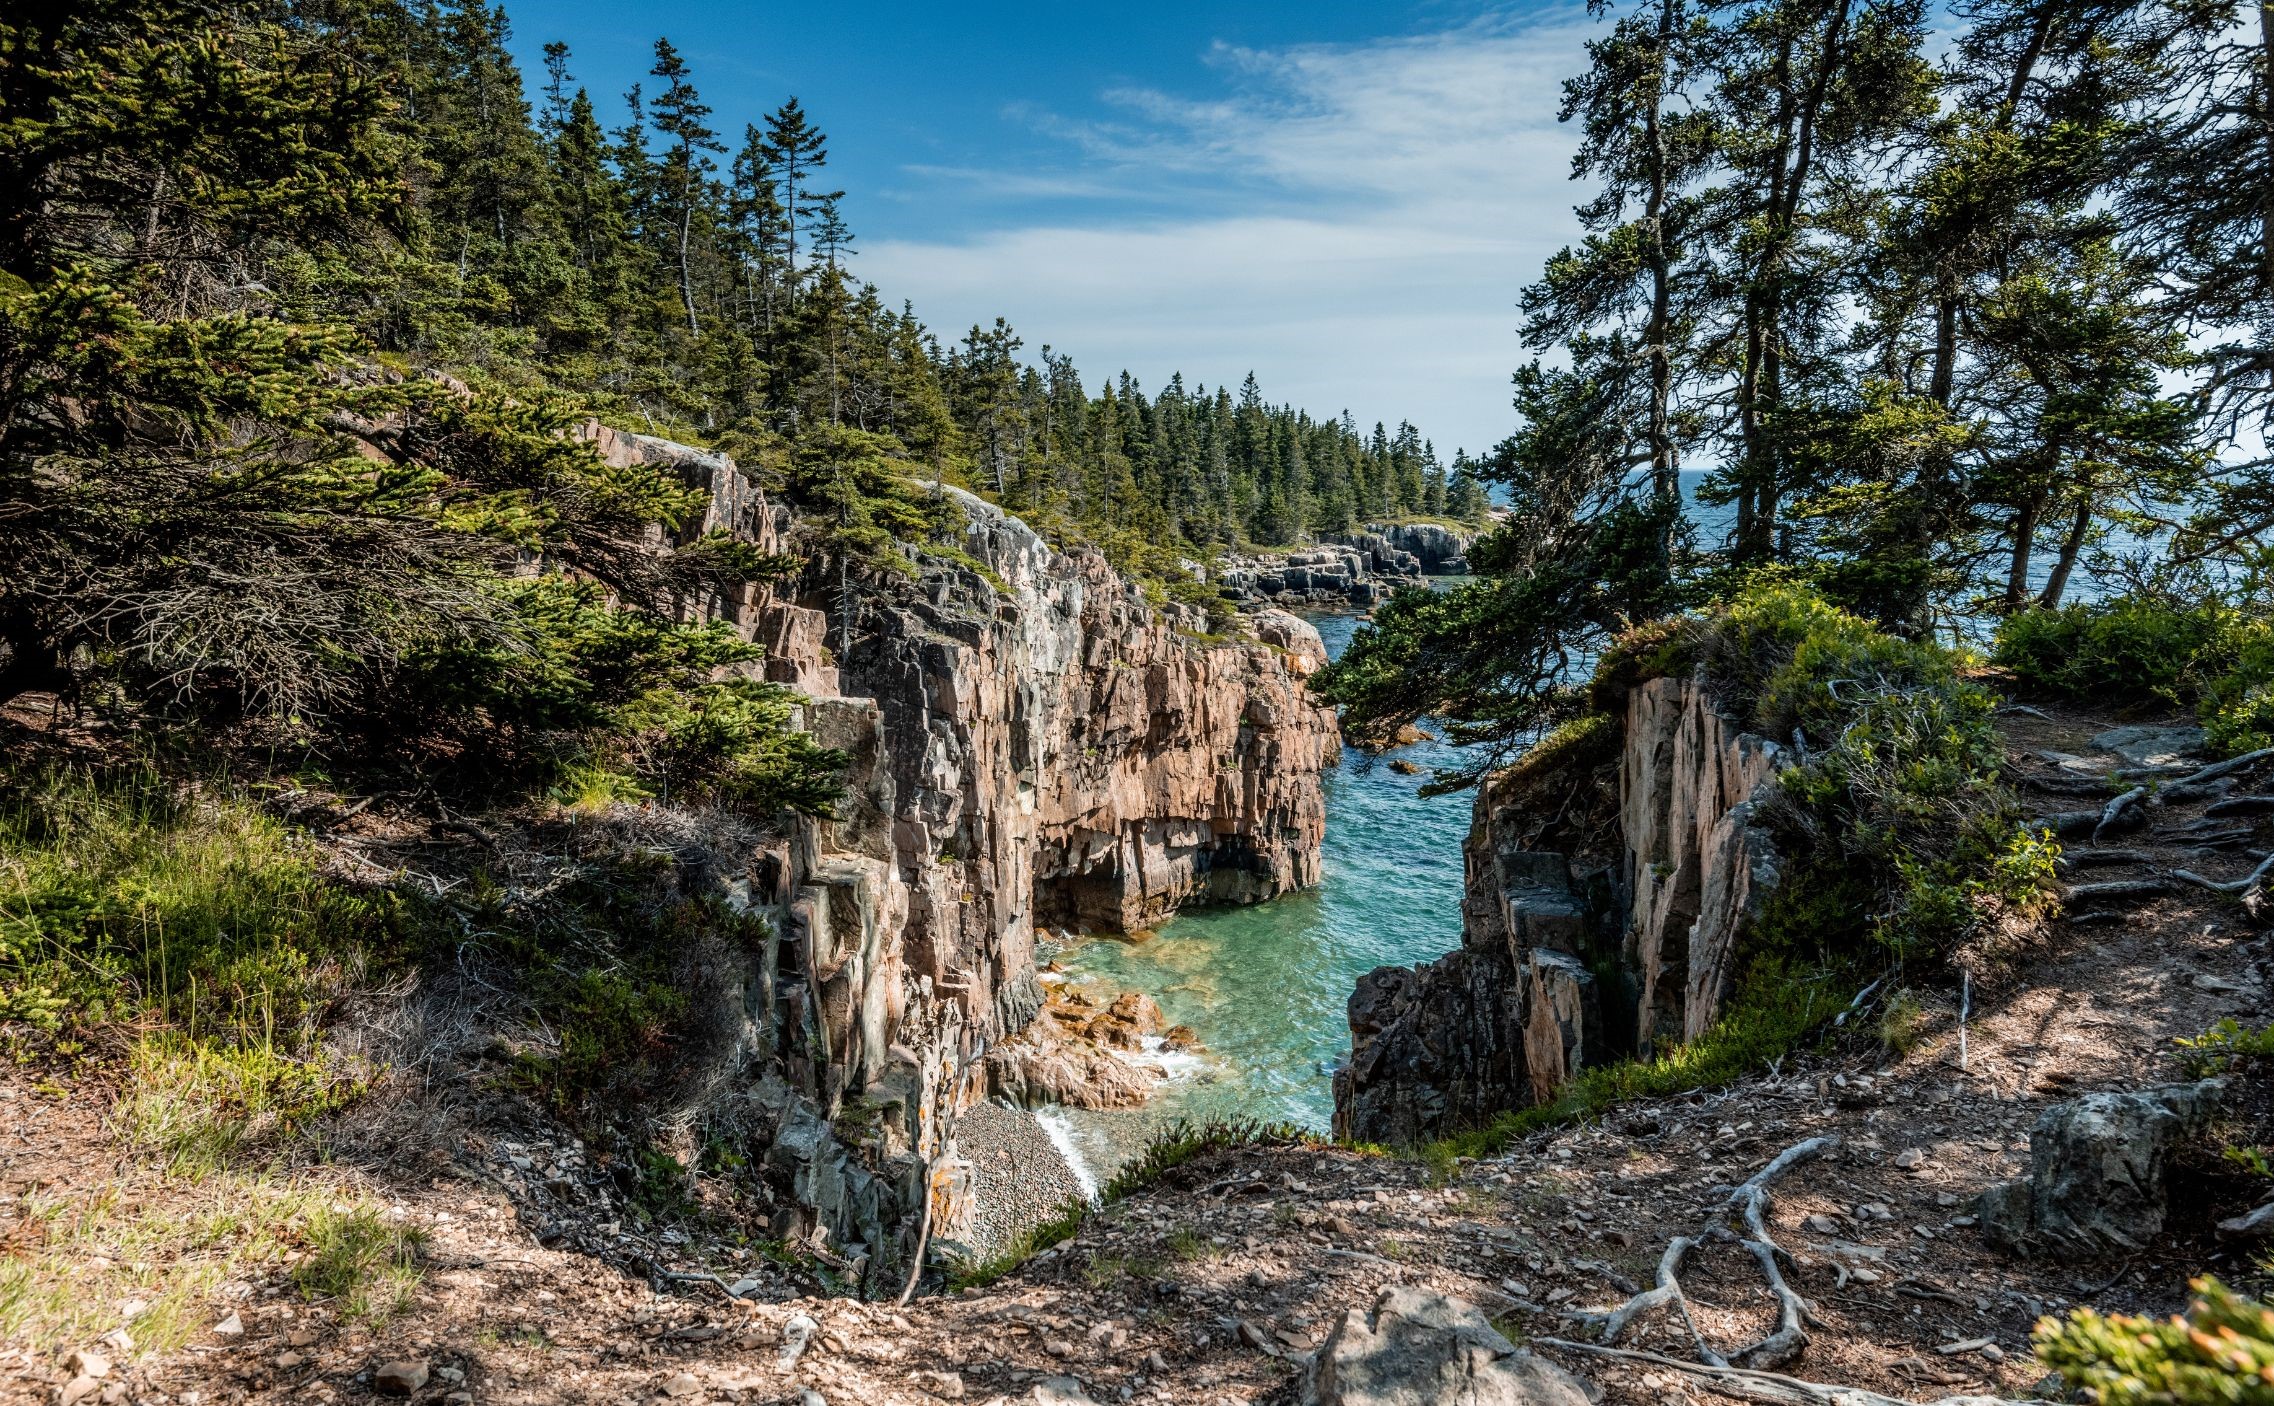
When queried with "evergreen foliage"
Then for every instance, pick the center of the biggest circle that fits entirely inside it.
(1931, 332)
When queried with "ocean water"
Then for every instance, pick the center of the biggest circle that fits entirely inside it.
(1265, 986)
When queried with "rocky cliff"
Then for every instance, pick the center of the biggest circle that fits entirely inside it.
(1627, 942)
(1033, 745)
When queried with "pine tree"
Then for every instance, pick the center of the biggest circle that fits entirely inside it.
(798, 151)
(683, 180)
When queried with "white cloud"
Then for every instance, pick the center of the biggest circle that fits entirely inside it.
(1356, 223)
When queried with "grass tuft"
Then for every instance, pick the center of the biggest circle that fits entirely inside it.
(366, 1265)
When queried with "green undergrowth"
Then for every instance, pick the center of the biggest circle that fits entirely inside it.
(1779, 1004)
(1171, 1148)
(1893, 777)
(1903, 844)
(2147, 653)
(2219, 1353)
(203, 930)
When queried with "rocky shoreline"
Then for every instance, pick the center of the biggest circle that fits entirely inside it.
(1019, 1177)
(1357, 571)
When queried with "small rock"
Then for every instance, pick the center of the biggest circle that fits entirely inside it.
(1910, 1157)
(948, 1386)
(1060, 1391)
(1993, 1352)
(1969, 1345)
(683, 1384)
(797, 1331)
(1821, 1225)
(87, 1364)
(1256, 1338)
(79, 1389)
(230, 1327)
(2258, 1225)
(1155, 1364)
(399, 1378)
(1420, 1349)
(1058, 1347)
(302, 1337)
(286, 1361)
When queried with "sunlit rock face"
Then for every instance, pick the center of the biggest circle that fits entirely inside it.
(1559, 969)
(1033, 744)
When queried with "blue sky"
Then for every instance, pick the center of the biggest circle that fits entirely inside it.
(1345, 198)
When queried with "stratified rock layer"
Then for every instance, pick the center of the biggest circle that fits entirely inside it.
(1558, 970)
(1032, 744)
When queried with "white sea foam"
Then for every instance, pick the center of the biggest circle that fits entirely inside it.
(1175, 1064)
(1061, 1135)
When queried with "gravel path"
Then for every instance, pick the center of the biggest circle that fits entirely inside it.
(1021, 1179)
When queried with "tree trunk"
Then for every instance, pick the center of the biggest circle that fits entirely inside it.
(2024, 545)
(2058, 583)
(2266, 126)
(686, 276)
(1664, 470)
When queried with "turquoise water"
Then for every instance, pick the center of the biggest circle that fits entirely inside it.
(1265, 986)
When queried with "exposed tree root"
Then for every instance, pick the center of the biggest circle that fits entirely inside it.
(2241, 885)
(1768, 1386)
(2122, 813)
(1749, 1203)
(2196, 785)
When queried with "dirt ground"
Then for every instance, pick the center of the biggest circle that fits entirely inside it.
(1207, 1287)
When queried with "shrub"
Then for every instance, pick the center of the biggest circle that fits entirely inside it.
(1899, 771)
(2144, 651)
(2219, 1353)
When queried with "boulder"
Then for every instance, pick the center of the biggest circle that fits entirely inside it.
(2152, 746)
(1416, 1348)
(2096, 1172)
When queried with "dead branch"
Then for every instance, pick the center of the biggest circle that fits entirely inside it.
(1749, 1203)
(1768, 1386)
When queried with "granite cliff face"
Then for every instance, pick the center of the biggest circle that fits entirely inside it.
(1033, 745)
(1557, 968)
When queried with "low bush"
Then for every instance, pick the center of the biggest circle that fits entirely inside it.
(2219, 1353)
(362, 1263)
(2144, 651)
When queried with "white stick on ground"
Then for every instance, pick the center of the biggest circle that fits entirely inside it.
(1768, 1386)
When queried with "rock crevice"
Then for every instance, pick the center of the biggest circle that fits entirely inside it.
(1033, 745)
(1560, 969)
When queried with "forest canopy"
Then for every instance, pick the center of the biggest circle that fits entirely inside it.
(302, 300)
